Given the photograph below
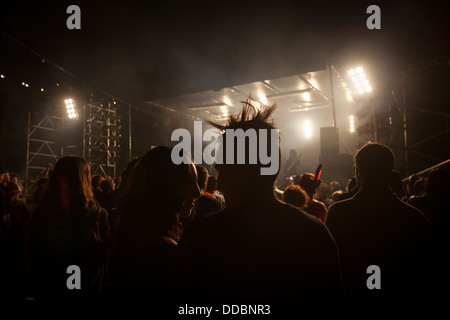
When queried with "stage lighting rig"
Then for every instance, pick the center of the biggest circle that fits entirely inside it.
(70, 107)
(360, 81)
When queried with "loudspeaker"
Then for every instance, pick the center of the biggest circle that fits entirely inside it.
(329, 142)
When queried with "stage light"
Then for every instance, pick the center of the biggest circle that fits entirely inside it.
(224, 109)
(307, 129)
(360, 81)
(262, 98)
(306, 96)
(2, 76)
(227, 101)
(70, 107)
(351, 120)
(42, 89)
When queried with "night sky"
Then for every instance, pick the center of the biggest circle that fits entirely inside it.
(144, 50)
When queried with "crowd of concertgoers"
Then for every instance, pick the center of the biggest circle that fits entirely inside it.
(166, 231)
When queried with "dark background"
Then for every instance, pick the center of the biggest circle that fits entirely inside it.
(145, 50)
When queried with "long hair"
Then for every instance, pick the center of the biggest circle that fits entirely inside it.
(155, 194)
(69, 193)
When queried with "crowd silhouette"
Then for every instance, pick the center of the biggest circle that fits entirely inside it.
(166, 231)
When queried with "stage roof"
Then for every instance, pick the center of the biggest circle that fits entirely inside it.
(304, 92)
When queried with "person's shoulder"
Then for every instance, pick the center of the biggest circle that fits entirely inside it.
(298, 217)
(411, 210)
(342, 204)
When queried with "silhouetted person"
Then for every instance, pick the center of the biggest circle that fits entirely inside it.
(314, 207)
(396, 184)
(324, 194)
(69, 228)
(15, 238)
(258, 247)
(211, 188)
(292, 165)
(351, 190)
(207, 202)
(97, 186)
(295, 196)
(376, 228)
(107, 195)
(160, 194)
(334, 186)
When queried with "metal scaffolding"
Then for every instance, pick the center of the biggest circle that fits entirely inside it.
(42, 145)
(101, 135)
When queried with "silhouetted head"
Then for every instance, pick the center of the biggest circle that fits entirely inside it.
(160, 192)
(374, 163)
(295, 196)
(420, 186)
(236, 179)
(211, 186)
(324, 191)
(97, 181)
(107, 185)
(307, 183)
(438, 184)
(396, 183)
(334, 186)
(202, 176)
(292, 154)
(69, 196)
(411, 181)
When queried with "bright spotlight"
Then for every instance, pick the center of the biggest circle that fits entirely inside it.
(262, 98)
(351, 120)
(360, 81)
(70, 107)
(307, 127)
(224, 109)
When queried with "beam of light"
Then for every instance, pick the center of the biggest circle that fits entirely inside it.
(348, 95)
(227, 101)
(262, 98)
(306, 96)
(359, 70)
(314, 84)
(224, 109)
(307, 128)
(351, 72)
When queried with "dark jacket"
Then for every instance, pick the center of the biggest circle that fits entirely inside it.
(270, 250)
